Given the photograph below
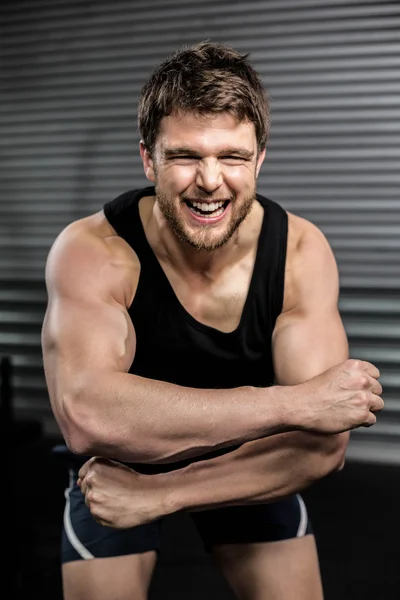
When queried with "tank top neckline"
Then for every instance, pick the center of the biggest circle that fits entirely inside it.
(170, 290)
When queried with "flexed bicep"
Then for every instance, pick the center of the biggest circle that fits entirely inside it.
(309, 336)
(86, 330)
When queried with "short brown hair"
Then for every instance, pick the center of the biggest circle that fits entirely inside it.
(207, 78)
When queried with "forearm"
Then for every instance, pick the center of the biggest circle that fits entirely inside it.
(265, 470)
(135, 419)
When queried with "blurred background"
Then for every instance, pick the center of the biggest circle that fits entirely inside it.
(70, 76)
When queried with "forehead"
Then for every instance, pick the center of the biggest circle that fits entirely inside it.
(205, 132)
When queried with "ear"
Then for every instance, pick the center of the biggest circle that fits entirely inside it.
(148, 166)
(260, 161)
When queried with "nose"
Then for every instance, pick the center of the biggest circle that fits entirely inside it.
(209, 176)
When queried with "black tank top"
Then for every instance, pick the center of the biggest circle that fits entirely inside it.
(171, 345)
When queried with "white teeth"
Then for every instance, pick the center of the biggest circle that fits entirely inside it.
(208, 207)
(217, 213)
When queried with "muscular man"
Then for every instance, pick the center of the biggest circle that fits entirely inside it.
(193, 342)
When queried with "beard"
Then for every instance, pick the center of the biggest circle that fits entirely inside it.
(205, 237)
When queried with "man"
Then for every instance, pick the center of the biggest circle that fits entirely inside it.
(193, 337)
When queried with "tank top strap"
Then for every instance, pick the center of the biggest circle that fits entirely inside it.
(123, 214)
(271, 256)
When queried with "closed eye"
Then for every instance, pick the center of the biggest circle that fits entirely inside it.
(183, 158)
(233, 158)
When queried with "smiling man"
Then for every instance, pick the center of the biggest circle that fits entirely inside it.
(193, 346)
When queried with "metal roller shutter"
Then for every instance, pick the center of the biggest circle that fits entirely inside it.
(70, 77)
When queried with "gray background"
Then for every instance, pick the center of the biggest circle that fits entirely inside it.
(70, 75)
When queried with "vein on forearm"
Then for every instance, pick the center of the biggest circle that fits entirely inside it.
(265, 470)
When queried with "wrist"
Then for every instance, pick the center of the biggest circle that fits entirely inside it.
(166, 490)
(289, 408)
(186, 488)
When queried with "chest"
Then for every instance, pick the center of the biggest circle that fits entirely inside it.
(216, 302)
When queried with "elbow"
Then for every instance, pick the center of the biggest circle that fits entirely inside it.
(328, 456)
(77, 425)
(337, 455)
(78, 445)
(82, 440)
(342, 449)
(86, 432)
(77, 438)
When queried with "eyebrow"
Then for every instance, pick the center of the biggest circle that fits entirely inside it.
(228, 150)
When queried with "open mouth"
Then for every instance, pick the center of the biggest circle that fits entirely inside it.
(207, 209)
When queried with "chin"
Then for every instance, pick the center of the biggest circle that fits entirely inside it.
(208, 243)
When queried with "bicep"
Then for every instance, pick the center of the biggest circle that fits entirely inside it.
(87, 329)
(88, 335)
(309, 336)
(82, 342)
(305, 346)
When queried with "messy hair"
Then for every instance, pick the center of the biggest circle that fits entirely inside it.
(207, 78)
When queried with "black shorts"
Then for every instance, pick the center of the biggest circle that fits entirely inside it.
(84, 538)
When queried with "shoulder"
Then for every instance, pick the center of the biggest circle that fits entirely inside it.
(303, 235)
(88, 255)
(307, 245)
(310, 265)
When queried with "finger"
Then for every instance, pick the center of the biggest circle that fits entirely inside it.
(371, 370)
(376, 404)
(85, 468)
(373, 385)
(371, 420)
(85, 485)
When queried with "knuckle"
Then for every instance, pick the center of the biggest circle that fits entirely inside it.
(363, 382)
(352, 363)
(362, 397)
(91, 478)
(95, 465)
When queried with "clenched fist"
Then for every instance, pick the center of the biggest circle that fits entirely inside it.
(118, 496)
(344, 397)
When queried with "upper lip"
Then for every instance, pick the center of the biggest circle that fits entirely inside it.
(205, 201)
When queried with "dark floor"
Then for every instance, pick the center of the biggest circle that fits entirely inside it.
(355, 515)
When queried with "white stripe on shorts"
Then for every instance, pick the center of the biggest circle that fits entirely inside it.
(303, 517)
(69, 530)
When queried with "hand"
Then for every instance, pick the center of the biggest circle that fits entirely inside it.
(344, 397)
(118, 496)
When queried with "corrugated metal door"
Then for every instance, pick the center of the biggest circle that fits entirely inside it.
(70, 77)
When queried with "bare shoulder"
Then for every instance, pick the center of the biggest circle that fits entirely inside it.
(304, 237)
(310, 264)
(89, 257)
